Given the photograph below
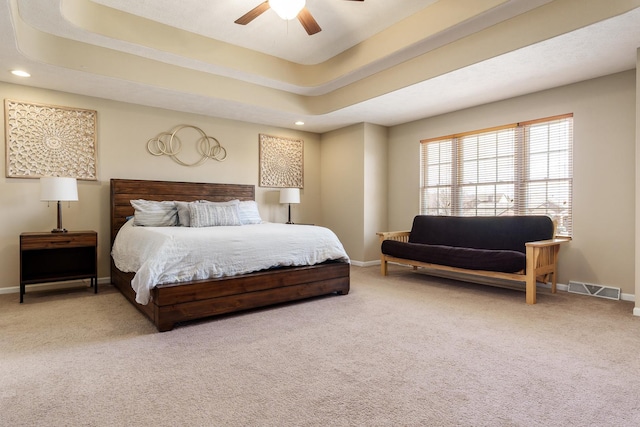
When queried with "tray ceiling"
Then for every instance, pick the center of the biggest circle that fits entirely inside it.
(378, 62)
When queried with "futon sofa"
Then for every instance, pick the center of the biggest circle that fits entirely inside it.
(520, 248)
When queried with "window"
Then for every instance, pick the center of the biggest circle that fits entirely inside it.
(520, 169)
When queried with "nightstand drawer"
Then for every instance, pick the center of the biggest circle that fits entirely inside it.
(53, 240)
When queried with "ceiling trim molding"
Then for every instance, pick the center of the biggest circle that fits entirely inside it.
(543, 23)
(435, 18)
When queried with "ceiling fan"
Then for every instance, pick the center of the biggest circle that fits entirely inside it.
(286, 9)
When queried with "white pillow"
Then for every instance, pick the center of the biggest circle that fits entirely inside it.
(213, 214)
(150, 213)
(249, 213)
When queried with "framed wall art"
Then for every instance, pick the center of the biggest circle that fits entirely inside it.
(281, 162)
(49, 140)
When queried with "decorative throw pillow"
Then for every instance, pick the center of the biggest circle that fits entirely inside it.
(150, 213)
(213, 214)
(184, 219)
(249, 213)
(230, 202)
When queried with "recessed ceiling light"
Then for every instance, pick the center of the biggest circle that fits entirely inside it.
(20, 73)
(299, 123)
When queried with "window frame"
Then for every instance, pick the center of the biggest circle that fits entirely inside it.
(448, 192)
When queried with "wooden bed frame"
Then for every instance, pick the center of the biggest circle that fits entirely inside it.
(179, 302)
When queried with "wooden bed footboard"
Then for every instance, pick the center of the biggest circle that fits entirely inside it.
(180, 302)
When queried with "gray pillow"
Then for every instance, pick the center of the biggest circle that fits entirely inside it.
(230, 202)
(184, 219)
(213, 214)
(150, 213)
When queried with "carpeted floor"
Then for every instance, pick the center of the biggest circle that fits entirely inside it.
(405, 350)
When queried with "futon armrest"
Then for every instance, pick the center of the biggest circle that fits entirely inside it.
(402, 236)
(542, 263)
(550, 242)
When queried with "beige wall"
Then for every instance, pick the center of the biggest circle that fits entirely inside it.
(123, 130)
(360, 179)
(602, 250)
(375, 189)
(354, 188)
(636, 310)
(342, 189)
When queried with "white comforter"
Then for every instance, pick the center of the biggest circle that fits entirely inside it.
(178, 254)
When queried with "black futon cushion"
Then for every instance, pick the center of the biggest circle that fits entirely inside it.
(481, 232)
(505, 261)
(492, 243)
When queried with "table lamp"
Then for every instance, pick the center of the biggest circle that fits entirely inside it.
(58, 189)
(290, 195)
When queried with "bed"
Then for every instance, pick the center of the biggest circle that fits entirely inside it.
(183, 301)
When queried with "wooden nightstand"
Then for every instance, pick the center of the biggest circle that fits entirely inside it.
(55, 257)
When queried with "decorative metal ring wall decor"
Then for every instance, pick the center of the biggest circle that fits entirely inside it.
(168, 143)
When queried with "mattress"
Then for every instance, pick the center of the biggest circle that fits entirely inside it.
(160, 255)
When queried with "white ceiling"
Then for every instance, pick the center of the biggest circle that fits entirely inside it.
(344, 23)
(578, 51)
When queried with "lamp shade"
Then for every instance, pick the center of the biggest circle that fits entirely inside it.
(287, 9)
(290, 195)
(54, 188)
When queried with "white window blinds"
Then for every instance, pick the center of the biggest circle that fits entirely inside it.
(519, 169)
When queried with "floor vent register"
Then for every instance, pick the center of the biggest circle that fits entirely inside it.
(601, 291)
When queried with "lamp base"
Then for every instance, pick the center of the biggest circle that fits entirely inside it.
(59, 228)
(289, 221)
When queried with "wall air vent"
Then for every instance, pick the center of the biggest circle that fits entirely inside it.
(594, 290)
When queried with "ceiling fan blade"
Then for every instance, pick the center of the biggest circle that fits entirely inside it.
(253, 13)
(308, 22)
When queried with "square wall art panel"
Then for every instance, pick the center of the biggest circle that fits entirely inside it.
(281, 162)
(49, 140)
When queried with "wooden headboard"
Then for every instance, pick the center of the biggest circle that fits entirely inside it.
(124, 190)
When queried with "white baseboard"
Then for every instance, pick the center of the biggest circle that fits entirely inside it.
(55, 285)
(365, 263)
(563, 287)
(559, 286)
(107, 280)
(627, 297)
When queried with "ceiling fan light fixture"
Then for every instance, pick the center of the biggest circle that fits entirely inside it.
(287, 9)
